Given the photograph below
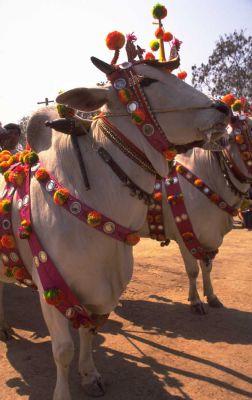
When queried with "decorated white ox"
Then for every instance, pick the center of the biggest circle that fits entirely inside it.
(87, 231)
(213, 184)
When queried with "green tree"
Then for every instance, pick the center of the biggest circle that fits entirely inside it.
(229, 68)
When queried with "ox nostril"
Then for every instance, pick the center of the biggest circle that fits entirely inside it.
(222, 107)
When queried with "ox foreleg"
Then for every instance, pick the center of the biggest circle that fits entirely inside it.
(192, 269)
(62, 347)
(5, 331)
(212, 299)
(90, 377)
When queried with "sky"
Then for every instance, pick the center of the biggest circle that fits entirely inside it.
(46, 45)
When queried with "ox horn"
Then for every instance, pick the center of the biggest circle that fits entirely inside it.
(103, 66)
(171, 64)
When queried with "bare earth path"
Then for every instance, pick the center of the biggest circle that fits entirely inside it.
(152, 348)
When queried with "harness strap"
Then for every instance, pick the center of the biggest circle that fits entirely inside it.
(203, 188)
(126, 83)
(56, 291)
(176, 200)
(10, 256)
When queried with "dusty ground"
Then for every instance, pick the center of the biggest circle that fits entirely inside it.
(152, 348)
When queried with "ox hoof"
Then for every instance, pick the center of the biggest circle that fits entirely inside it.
(198, 309)
(215, 303)
(96, 388)
(5, 333)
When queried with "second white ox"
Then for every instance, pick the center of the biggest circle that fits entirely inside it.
(227, 174)
(96, 267)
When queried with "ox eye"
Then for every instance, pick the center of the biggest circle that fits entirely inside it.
(144, 82)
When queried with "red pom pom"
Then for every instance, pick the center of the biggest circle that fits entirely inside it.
(115, 40)
(167, 37)
(170, 154)
(149, 56)
(182, 75)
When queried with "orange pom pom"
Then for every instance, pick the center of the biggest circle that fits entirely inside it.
(8, 241)
(228, 99)
(138, 117)
(170, 154)
(159, 33)
(41, 174)
(167, 37)
(215, 197)
(132, 239)
(239, 139)
(94, 218)
(115, 40)
(187, 236)
(5, 206)
(182, 75)
(61, 196)
(198, 182)
(157, 196)
(180, 169)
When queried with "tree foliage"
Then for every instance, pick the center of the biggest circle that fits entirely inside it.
(229, 68)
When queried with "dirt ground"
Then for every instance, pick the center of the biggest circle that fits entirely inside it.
(153, 347)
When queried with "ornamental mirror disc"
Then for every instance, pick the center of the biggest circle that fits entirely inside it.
(42, 256)
(75, 207)
(6, 224)
(109, 227)
(125, 65)
(14, 257)
(3, 194)
(25, 200)
(133, 106)
(120, 83)
(20, 204)
(148, 129)
(11, 191)
(50, 186)
(35, 167)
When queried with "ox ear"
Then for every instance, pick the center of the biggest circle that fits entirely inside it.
(84, 99)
